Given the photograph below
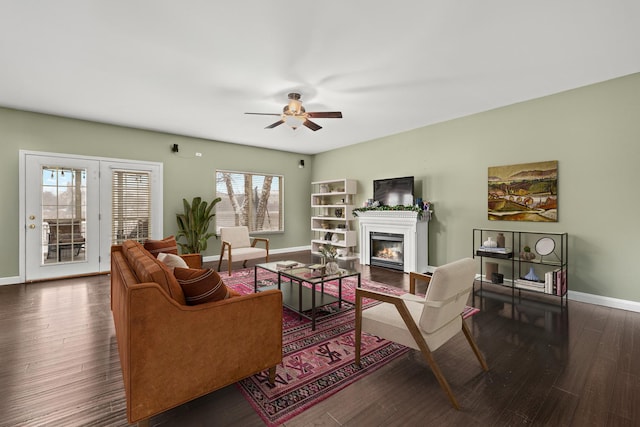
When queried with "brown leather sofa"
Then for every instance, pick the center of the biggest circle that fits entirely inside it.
(171, 352)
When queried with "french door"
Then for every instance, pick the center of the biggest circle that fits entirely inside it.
(62, 216)
(75, 208)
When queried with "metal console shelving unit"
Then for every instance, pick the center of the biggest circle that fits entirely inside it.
(541, 270)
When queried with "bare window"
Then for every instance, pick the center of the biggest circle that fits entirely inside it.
(250, 199)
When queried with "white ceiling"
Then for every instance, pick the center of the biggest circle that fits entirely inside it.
(195, 67)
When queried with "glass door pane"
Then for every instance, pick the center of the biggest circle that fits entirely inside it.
(64, 214)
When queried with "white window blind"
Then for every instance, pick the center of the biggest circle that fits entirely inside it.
(130, 206)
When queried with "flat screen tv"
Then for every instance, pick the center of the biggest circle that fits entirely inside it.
(394, 191)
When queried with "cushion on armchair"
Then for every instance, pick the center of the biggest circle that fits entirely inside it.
(202, 285)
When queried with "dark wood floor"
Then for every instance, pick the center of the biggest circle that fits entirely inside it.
(59, 367)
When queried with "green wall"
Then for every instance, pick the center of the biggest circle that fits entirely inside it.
(185, 175)
(593, 132)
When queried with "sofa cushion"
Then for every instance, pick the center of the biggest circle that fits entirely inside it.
(148, 269)
(166, 245)
(172, 260)
(202, 285)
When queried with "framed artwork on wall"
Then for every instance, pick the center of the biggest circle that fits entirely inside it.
(523, 192)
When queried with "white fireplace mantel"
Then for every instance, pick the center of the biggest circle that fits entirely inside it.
(415, 232)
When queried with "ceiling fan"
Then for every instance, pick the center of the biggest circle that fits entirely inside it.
(295, 115)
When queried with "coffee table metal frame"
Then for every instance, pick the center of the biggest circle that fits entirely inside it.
(300, 298)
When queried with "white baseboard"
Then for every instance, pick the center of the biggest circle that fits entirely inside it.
(604, 301)
(10, 280)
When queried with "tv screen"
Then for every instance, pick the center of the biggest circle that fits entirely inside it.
(394, 191)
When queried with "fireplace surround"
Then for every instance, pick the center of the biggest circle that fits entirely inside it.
(414, 232)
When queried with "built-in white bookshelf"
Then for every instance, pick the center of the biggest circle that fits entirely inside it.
(332, 215)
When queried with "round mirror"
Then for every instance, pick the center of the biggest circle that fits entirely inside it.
(545, 246)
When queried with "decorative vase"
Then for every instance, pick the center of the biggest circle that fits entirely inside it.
(490, 268)
(531, 275)
(332, 267)
(500, 240)
(490, 243)
(527, 256)
(338, 212)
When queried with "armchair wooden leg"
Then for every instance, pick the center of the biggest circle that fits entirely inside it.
(424, 349)
(358, 331)
(474, 346)
(221, 255)
(244, 264)
(438, 374)
(272, 375)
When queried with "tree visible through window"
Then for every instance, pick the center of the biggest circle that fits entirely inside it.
(250, 199)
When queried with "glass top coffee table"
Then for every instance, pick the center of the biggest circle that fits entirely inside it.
(302, 286)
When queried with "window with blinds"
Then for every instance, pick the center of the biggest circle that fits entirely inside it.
(130, 206)
(251, 199)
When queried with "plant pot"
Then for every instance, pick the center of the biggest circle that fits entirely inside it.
(332, 267)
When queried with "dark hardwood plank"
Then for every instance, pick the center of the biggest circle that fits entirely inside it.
(59, 366)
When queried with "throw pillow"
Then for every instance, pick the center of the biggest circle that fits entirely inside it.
(171, 260)
(200, 286)
(166, 245)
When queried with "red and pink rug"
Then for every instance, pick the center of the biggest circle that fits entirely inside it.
(315, 364)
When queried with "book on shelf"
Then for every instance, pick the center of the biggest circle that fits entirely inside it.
(549, 282)
(530, 285)
(492, 249)
(494, 254)
(561, 281)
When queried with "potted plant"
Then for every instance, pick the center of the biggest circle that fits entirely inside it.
(193, 225)
(330, 253)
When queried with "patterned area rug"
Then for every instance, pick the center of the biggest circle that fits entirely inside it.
(316, 364)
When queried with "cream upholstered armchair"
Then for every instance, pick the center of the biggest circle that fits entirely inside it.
(423, 323)
(238, 246)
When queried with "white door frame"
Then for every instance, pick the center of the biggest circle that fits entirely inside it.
(106, 164)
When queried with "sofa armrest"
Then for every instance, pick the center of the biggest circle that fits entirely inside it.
(178, 353)
(192, 260)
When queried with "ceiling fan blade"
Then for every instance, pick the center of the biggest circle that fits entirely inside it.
(325, 115)
(278, 123)
(311, 125)
(265, 114)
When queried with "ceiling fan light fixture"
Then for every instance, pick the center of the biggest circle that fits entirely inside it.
(295, 107)
(295, 115)
(293, 121)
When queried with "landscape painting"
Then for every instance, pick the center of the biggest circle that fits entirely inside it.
(524, 192)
